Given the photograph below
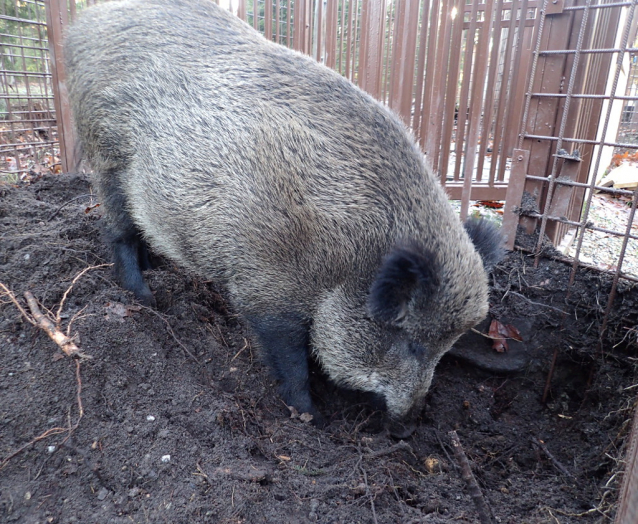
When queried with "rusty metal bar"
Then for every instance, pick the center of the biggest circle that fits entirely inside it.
(590, 227)
(426, 141)
(66, 131)
(241, 10)
(351, 17)
(584, 96)
(450, 97)
(625, 145)
(403, 56)
(268, 19)
(438, 86)
(475, 115)
(511, 93)
(388, 37)
(319, 29)
(515, 188)
(498, 152)
(342, 25)
(489, 100)
(597, 6)
(588, 51)
(21, 20)
(331, 33)
(420, 74)
(461, 115)
(623, 192)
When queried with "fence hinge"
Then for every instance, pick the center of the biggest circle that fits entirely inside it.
(555, 7)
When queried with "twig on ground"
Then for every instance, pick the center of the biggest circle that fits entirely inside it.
(539, 303)
(541, 445)
(66, 204)
(470, 480)
(172, 333)
(58, 318)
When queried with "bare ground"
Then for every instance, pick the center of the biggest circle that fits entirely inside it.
(181, 423)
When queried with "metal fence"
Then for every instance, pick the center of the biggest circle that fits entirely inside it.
(28, 131)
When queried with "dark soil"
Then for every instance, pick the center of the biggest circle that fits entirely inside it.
(181, 422)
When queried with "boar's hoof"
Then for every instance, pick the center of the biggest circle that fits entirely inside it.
(401, 429)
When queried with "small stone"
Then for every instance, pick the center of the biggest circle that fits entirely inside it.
(51, 449)
(102, 494)
(166, 458)
(150, 418)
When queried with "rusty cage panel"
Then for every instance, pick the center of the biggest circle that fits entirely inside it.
(28, 130)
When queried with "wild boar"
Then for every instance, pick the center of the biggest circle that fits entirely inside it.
(256, 166)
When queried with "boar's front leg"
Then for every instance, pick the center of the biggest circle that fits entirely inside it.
(130, 257)
(284, 340)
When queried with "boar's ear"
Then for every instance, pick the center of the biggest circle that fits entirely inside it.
(405, 271)
(487, 239)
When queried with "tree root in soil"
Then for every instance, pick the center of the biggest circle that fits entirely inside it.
(64, 341)
(472, 485)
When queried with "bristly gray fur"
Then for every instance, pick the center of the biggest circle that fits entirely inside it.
(254, 165)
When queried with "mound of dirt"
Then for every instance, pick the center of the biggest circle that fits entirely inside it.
(174, 419)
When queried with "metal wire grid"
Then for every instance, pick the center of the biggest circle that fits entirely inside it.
(553, 181)
(28, 133)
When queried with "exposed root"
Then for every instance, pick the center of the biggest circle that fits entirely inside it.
(64, 342)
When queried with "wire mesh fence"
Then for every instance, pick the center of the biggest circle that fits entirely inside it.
(28, 132)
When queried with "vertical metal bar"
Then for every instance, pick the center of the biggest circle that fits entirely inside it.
(241, 9)
(433, 138)
(319, 20)
(72, 10)
(356, 49)
(342, 25)
(388, 40)
(488, 105)
(478, 88)
(511, 93)
(428, 83)
(289, 21)
(331, 34)
(461, 116)
(371, 52)
(57, 20)
(255, 11)
(404, 53)
(418, 96)
(515, 188)
(268, 19)
(277, 21)
(498, 153)
(349, 40)
(450, 95)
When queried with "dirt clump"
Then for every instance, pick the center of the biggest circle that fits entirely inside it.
(182, 423)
